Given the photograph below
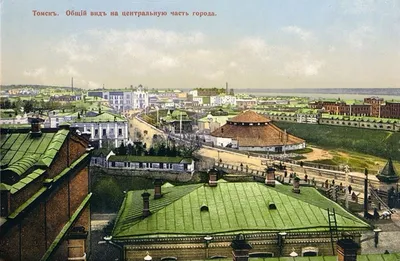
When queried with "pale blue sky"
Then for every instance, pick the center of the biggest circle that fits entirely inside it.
(250, 44)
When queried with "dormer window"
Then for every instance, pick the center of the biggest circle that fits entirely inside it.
(203, 208)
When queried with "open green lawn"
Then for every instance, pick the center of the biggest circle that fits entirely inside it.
(378, 143)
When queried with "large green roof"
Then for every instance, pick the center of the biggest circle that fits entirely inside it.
(233, 207)
(103, 117)
(21, 152)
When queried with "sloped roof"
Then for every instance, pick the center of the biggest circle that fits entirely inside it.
(232, 207)
(21, 153)
(256, 135)
(388, 173)
(249, 117)
(102, 117)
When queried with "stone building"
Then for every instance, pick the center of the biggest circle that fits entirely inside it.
(45, 194)
(251, 131)
(199, 221)
(391, 109)
(376, 103)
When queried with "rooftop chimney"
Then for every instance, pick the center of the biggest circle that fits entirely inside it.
(347, 250)
(296, 185)
(35, 127)
(241, 248)
(270, 178)
(212, 177)
(146, 204)
(157, 188)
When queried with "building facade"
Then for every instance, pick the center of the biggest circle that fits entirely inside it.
(125, 99)
(200, 221)
(45, 193)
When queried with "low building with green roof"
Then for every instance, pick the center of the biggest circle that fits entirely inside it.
(176, 223)
(151, 163)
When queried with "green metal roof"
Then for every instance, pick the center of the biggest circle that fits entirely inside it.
(103, 117)
(149, 159)
(388, 173)
(20, 152)
(233, 207)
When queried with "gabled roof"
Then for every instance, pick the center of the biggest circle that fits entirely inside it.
(388, 173)
(22, 153)
(249, 117)
(232, 207)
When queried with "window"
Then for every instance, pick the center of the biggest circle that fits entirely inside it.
(96, 132)
(104, 132)
(120, 132)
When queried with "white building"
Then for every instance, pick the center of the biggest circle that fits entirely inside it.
(107, 129)
(151, 163)
(125, 99)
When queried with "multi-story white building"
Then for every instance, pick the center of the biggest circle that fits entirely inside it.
(222, 100)
(125, 99)
(107, 129)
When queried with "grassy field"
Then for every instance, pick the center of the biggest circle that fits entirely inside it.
(357, 161)
(358, 148)
(372, 142)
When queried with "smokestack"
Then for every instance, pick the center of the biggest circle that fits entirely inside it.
(241, 248)
(347, 250)
(226, 88)
(212, 177)
(72, 85)
(157, 188)
(146, 204)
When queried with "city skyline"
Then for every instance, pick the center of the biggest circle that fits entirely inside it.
(279, 44)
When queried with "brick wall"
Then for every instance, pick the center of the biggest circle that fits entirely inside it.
(9, 243)
(33, 240)
(193, 251)
(59, 163)
(25, 193)
(56, 212)
(78, 188)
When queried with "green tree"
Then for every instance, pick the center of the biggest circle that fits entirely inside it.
(107, 195)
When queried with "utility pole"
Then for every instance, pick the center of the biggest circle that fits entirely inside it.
(366, 193)
(180, 125)
(346, 194)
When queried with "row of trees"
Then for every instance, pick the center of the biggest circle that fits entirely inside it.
(139, 149)
(28, 105)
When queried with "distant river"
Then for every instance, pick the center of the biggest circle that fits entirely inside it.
(343, 96)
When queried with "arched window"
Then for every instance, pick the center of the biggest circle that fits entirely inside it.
(309, 251)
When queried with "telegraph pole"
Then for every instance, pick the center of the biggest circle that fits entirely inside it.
(366, 193)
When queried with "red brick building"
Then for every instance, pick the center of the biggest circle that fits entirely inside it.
(45, 194)
(339, 107)
(390, 109)
(376, 103)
